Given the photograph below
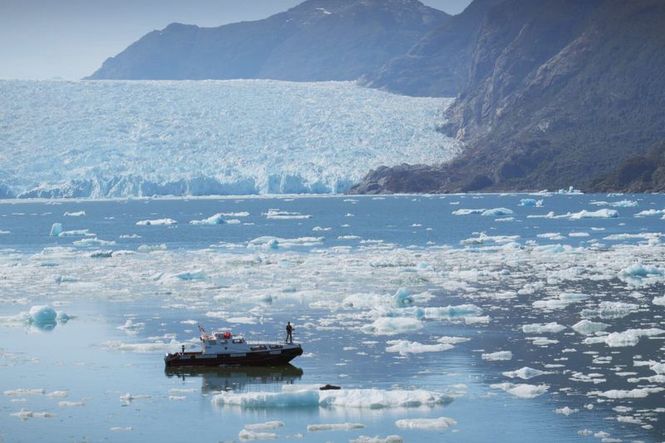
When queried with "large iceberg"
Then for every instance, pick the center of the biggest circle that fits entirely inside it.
(145, 138)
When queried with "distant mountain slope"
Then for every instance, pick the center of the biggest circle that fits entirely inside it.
(316, 40)
(559, 93)
(438, 65)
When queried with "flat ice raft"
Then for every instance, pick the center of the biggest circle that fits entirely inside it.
(344, 398)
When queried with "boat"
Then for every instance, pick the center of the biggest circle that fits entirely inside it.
(221, 349)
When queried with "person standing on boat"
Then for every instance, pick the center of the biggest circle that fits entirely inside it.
(289, 333)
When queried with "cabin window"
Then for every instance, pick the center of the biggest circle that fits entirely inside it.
(212, 342)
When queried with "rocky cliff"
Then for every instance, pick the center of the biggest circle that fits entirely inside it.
(559, 92)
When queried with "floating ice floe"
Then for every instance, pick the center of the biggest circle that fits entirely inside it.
(601, 213)
(482, 239)
(405, 347)
(142, 347)
(22, 392)
(40, 316)
(392, 326)
(74, 214)
(345, 398)
(128, 398)
(497, 212)
(276, 214)
(269, 242)
(641, 275)
(551, 236)
(76, 233)
(522, 390)
(403, 298)
(93, 241)
(131, 327)
(497, 356)
(650, 212)
(265, 426)
(452, 340)
(561, 302)
(56, 229)
(630, 337)
(70, 404)
(587, 327)
(334, 427)
(157, 222)
(216, 219)
(525, 373)
(377, 439)
(246, 434)
(196, 275)
(531, 203)
(611, 310)
(543, 328)
(616, 204)
(426, 424)
(659, 301)
(566, 411)
(630, 393)
(25, 414)
(468, 211)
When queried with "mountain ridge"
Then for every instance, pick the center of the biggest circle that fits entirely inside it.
(314, 41)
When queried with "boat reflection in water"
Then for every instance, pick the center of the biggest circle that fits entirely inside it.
(236, 378)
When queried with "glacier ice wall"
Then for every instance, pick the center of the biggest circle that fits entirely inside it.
(119, 139)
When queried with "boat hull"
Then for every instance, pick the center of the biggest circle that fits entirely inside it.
(254, 358)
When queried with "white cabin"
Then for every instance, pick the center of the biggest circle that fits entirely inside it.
(227, 343)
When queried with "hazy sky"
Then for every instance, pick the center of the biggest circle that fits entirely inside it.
(42, 39)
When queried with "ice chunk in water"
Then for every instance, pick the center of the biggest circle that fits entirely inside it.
(266, 426)
(497, 212)
(626, 338)
(405, 347)
(641, 275)
(345, 398)
(587, 327)
(392, 325)
(498, 356)
(522, 390)
(402, 298)
(429, 424)
(540, 328)
(377, 439)
(56, 229)
(601, 213)
(43, 317)
(525, 373)
(334, 427)
(531, 203)
(216, 219)
(157, 222)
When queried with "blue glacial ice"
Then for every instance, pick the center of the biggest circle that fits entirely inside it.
(119, 139)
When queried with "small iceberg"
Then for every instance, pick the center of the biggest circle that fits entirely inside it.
(216, 219)
(496, 212)
(157, 222)
(531, 203)
(56, 229)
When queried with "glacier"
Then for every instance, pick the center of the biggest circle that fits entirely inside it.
(114, 139)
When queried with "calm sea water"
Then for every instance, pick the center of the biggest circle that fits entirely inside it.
(332, 266)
